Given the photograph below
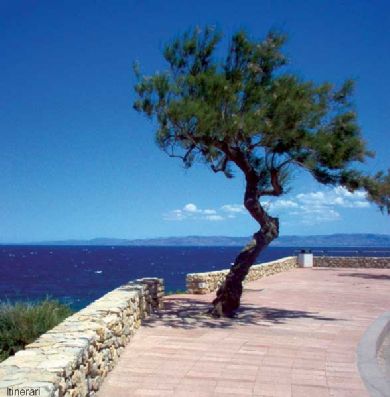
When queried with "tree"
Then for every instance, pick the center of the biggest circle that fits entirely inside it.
(248, 113)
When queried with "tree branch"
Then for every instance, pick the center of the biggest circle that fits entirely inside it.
(277, 188)
(221, 166)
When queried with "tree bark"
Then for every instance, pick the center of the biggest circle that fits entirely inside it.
(229, 293)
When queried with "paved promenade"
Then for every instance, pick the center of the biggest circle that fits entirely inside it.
(295, 335)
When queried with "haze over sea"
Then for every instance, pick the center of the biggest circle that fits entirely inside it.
(77, 275)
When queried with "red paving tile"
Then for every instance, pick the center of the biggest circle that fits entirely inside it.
(295, 335)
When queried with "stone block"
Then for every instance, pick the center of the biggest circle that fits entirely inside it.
(73, 358)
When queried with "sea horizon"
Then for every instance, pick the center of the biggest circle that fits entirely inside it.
(78, 275)
(314, 240)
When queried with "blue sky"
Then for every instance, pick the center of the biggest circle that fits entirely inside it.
(77, 162)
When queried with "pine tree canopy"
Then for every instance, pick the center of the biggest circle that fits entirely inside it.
(248, 110)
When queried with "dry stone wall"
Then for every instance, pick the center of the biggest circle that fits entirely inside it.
(352, 261)
(203, 283)
(72, 359)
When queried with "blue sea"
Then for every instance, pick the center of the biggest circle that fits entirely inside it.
(77, 275)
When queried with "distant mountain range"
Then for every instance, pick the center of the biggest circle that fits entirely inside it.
(332, 240)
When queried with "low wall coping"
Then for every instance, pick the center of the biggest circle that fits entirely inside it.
(375, 380)
(285, 258)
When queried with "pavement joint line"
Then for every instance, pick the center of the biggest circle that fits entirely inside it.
(302, 322)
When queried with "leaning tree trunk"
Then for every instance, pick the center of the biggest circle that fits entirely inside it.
(229, 293)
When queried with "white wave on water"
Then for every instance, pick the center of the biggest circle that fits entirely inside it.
(98, 271)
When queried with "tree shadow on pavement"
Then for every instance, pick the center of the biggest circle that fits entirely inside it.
(367, 276)
(189, 313)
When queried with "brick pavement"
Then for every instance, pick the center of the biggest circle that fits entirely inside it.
(295, 335)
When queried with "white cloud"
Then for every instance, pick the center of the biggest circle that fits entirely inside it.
(209, 212)
(283, 204)
(233, 208)
(175, 215)
(319, 216)
(337, 196)
(190, 207)
(342, 191)
(214, 217)
(321, 206)
(191, 211)
(307, 208)
(361, 204)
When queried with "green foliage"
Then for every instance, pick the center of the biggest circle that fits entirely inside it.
(377, 186)
(247, 110)
(21, 323)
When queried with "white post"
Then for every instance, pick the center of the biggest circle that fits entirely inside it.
(305, 259)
